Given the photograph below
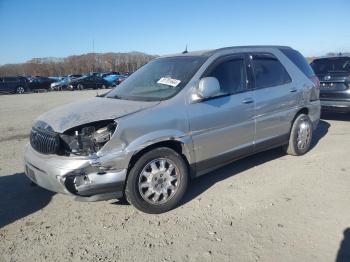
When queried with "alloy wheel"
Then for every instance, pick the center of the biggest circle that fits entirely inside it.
(304, 135)
(159, 181)
(20, 90)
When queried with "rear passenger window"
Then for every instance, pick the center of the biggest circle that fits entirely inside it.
(268, 71)
(231, 76)
(10, 79)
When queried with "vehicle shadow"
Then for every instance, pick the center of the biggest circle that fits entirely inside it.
(320, 132)
(200, 185)
(343, 254)
(335, 116)
(19, 199)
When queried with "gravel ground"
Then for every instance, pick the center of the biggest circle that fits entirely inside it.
(267, 207)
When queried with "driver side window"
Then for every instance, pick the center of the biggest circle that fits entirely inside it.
(231, 75)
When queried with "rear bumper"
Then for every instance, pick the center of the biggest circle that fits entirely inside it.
(314, 112)
(73, 176)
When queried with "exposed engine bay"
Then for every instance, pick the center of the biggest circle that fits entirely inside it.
(83, 140)
(87, 139)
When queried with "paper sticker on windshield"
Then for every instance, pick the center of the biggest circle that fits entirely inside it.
(169, 81)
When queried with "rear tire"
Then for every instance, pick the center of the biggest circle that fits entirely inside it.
(157, 182)
(300, 136)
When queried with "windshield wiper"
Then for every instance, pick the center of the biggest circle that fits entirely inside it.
(119, 97)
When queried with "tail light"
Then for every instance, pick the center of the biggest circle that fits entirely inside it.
(316, 81)
(317, 84)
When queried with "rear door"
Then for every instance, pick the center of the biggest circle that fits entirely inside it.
(10, 84)
(89, 82)
(47, 82)
(98, 82)
(2, 86)
(275, 98)
(37, 83)
(222, 126)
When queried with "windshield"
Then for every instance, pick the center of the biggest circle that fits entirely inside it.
(158, 80)
(328, 65)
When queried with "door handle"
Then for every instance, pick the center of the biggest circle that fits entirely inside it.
(248, 100)
(293, 90)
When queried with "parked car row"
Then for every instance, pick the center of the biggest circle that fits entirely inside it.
(21, 84)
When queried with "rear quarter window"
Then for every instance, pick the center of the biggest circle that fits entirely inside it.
(299, 60)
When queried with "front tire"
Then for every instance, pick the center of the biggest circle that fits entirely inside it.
(20, 90)
(300, 136)
(80, 87)
(157, 182)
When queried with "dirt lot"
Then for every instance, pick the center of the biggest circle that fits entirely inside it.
(268, 207)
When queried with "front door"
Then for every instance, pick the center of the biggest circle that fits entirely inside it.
(222, 127)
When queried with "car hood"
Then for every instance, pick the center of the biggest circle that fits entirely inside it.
(96, 109)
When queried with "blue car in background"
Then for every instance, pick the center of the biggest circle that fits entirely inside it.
(115, 80)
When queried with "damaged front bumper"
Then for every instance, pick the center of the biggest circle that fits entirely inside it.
(86, 178)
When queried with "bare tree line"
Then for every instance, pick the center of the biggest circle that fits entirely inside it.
(82, 64)
(78, 64)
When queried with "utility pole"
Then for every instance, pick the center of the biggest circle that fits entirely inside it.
(93, 53)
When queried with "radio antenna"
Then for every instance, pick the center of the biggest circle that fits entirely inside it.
(185, 52)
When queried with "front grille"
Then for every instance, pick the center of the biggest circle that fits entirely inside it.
(43, 141)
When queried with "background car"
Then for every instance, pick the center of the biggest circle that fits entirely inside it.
(74, 76)
(63, 84)
(13, 84)
(56, 78)
(334, 75)
(121, 79)
(41, 82)
(103, 75)
(115, 79)
(90, 81)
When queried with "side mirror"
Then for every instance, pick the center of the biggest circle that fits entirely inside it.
(207, 87)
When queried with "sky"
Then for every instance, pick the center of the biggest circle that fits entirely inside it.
(59, 28)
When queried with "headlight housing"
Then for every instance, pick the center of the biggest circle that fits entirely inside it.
(88, 139)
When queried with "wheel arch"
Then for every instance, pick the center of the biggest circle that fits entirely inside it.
(303, 110)
(177, 145)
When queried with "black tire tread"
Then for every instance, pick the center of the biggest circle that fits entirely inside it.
(291, 148)
(131, 191)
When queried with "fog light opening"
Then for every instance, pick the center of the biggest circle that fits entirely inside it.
(74, 182)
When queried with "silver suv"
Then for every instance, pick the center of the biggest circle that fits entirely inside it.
(176, 118)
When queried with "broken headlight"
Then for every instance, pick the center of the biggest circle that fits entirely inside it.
(88, 139)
